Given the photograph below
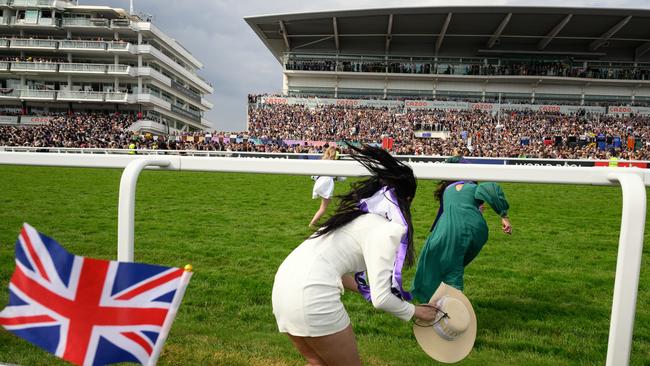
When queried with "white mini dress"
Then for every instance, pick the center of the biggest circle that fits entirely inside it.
(307, 289)
(323, 187)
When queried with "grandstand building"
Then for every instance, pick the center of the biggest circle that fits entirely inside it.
(517, 55)
(58, 56)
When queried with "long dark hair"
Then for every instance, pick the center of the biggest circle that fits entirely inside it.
(386, 171)
(440, 190)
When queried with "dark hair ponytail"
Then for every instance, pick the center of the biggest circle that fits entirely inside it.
(386, 171)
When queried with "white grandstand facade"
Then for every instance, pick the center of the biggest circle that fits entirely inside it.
(518, 55)
(57, 56)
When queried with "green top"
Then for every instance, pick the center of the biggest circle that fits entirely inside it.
(458, 236)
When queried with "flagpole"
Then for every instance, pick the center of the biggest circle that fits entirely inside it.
(171, 315)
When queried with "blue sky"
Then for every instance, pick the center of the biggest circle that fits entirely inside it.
(236, 61)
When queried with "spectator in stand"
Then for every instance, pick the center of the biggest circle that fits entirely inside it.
(323, 188)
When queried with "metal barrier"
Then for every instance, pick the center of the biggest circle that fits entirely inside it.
(632, 181)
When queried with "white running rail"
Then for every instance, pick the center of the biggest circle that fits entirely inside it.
(632, 181)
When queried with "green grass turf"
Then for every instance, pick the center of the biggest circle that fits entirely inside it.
(542, 296)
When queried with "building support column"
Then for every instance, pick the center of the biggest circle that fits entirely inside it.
(285, 84)
(139, 66)
(385, 87)
(116, 80)
(336, 86)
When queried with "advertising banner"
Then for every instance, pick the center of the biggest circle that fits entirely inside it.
(8, 120)
(34, 120)
(627, 110)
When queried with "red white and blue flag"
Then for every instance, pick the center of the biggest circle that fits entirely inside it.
(90, 311)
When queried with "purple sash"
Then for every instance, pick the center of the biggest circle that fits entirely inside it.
(384, 203)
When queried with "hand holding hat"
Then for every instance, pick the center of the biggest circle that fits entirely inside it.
(450, 336)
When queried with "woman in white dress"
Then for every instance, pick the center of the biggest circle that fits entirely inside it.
(371, 235)
(323, 188)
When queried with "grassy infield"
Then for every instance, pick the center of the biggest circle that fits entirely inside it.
(542, 296)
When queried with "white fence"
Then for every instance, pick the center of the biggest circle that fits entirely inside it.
(632, 181)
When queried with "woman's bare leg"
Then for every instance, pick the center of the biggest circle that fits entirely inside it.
(338, 349)
(306, 351)
(321, 211)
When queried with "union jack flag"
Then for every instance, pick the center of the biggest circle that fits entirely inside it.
(90, 311)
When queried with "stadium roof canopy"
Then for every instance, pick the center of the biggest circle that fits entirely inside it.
(500, 31)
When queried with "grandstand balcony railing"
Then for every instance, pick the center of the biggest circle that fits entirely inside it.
(5, 2)
(34, 66)
(8, 93)
(33, 44)
(42, 22)
(118, 46)
(151, 72)
(4, 66)
(186, 112)
(69, 68)
(30, 3)
(117, 97)
(82, 45)
(185, 91)
(63, 95)
(86, 22)
(82, 68)
(80, 95)
(118, 69)
(156, 53)
(65, 45)
(29, 94)
(120, 23)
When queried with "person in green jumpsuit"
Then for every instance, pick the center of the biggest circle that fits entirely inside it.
(458, 234)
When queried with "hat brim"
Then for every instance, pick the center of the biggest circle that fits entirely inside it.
(439, 348)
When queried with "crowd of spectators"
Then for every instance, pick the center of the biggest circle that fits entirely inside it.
(95, 130)
(295, 128)
(531, 68)
(508, 134)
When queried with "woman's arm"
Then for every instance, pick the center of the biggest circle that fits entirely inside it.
(379, 250)
(349, 283)
(493, 194)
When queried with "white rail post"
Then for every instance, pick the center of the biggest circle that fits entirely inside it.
(628, 268)
(126, 207)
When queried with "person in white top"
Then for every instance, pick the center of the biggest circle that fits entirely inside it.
(370, 234)
(323, 188)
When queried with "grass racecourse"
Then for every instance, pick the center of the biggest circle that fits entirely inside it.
(542, 296)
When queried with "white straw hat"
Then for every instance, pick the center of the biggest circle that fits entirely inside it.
(450, 337)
